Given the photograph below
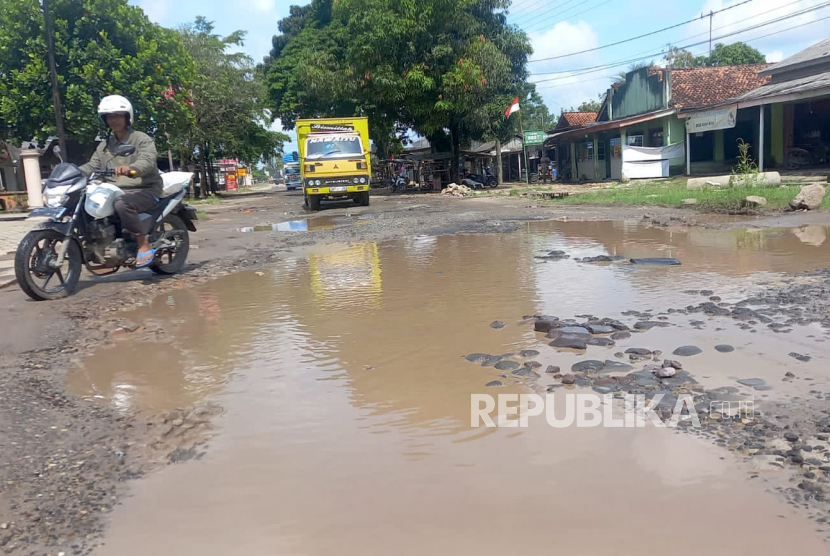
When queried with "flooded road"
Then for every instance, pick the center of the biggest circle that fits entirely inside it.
(347, 401)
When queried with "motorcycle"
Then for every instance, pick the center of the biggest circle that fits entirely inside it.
(83, 230)
(487, 180)
(399, 184)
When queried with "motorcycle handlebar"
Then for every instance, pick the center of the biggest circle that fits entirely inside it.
(106, 172)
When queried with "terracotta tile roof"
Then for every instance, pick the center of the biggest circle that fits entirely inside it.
(576, 119)
(711, 85)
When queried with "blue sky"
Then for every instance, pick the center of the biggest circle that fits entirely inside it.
(560, 27)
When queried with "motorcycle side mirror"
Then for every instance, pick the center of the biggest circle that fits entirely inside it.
(124, 150)
(57, 150)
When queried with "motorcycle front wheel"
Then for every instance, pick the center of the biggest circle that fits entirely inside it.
(170, 261)
(37, 270)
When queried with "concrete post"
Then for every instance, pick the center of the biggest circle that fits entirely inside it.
(31, 170)
(574, 166)
(761, 139)
(623, 143)
(688, 155)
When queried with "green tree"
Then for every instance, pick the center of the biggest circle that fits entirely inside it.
(734, 54)
(433, 66)
(679, 58)
(102, 47)
(229, 112)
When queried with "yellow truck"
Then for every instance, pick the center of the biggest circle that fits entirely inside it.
(334, 159)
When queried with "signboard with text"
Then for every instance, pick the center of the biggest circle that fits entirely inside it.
(230, 180)
(710, 120)
(535, 137)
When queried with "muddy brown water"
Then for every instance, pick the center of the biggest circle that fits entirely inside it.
(347, 402)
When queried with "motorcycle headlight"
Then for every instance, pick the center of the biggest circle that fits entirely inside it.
(55, 199)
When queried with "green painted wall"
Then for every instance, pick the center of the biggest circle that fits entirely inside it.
(776, 131)
(675, 129)
(641, 93)
(718, 145)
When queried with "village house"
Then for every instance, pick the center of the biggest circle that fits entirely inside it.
(638, 132)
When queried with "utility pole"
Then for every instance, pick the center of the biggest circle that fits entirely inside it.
(711, 16)
(56, 96)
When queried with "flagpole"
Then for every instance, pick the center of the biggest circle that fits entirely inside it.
(524, 149)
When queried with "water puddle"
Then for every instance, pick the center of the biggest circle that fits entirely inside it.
(347, 397)
(311, 225)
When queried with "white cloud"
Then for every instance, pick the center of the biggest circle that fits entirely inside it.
(563, 90)
(263, 5)
(775, 56)
(156, 10)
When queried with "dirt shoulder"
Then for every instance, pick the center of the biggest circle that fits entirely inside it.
(66, 461)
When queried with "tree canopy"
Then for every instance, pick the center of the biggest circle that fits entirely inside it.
(442, 68)
(102, 47)
(735, 54)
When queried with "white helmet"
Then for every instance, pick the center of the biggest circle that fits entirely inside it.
(115, 104)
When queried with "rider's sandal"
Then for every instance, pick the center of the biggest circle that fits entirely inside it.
(144, 259)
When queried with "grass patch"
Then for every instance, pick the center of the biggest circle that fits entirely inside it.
(672, 193)
(212, 200)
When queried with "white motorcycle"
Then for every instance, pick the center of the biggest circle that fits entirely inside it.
(83, 230)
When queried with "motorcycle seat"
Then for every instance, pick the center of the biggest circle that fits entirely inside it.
(149, 217)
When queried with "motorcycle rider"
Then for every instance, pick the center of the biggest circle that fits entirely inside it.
(142, 191)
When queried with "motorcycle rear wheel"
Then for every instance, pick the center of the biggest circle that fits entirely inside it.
(172, 227)
(33, 264)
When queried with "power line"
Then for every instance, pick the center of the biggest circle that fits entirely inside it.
(727, 35)
(535, 26)
(639, 36)
(644, 52)
(529, 16)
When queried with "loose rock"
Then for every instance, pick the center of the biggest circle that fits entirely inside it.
(809, 198)
(687, 351)
(724, 348)
(497, 324)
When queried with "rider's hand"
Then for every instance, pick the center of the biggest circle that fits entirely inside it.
(123, 171)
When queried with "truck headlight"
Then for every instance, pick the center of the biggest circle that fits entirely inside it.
(318, 183)
(362, 180)
(355, 180)
(310, 183)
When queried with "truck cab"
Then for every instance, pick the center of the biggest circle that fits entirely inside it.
(334, 160)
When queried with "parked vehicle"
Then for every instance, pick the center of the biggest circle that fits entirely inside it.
(487, 180)
(292, 176)
(83, 230)
(334, 160)
(399, 184)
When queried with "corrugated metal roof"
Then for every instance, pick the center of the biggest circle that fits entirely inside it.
(811, 83)
(815, 54)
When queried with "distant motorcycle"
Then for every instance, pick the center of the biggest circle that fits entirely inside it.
(399, 184)
(83, 229)
(487, 180)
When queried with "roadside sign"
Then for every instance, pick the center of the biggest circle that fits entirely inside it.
(241, 172)
(535, 137)
(230, 180)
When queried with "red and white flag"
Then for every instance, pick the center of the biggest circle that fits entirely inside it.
(514, 107)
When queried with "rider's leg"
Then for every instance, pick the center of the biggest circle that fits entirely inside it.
(128, 206)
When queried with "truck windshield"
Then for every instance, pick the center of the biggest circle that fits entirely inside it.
(334, 146)
(289, 171)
